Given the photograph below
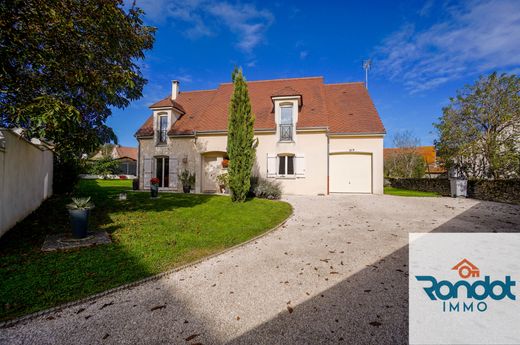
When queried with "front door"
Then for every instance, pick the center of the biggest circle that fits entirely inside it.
(162, 170)
(211, 170)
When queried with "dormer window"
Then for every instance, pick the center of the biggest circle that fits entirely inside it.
(286, 122)
(162, 132)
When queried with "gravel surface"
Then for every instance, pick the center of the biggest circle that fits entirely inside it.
(335, 273)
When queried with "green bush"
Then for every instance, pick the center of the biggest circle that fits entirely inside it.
(253, 182)
(66, 174)
(104, 166)
(267, 189)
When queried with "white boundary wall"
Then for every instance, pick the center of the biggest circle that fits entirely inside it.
(26, 170)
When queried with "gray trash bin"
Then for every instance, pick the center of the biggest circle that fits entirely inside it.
(458, 184)
(459, 187)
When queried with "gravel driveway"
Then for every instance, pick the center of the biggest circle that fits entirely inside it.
(335, 273)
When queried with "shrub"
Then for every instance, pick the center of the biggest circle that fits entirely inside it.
(104, 166)
(66, 174)
(267, 189)
(253, 182)
(187, 178)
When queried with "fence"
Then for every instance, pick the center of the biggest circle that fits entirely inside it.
(26, 169)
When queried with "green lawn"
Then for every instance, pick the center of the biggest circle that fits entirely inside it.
(406, 192)
(149, 236)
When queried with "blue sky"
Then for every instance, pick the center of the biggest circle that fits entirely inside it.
(422, 51)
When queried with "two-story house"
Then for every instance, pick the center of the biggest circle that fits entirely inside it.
(314, 138)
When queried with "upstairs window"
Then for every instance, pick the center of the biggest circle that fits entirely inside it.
(285, 165)
(162, 132)
(286, 123)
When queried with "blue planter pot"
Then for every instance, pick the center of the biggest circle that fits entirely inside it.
(154, 191)
(79, 222)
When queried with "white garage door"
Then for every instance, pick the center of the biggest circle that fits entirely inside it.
(350, 173)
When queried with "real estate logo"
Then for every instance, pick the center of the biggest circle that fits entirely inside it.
(464, 288)
(464, 295)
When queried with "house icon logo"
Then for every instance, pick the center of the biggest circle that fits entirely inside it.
(466, 269)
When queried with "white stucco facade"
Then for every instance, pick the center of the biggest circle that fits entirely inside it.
(26, 170)
(310, 148)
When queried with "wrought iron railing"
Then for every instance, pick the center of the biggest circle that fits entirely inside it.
(162, 134)
(286, 132)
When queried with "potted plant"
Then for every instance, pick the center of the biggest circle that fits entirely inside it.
(187, 179)
(225, 162)
(154, 186)
(223, 182)
(79, 211)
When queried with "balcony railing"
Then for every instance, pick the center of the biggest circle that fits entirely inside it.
(162, 135)
(286, 132)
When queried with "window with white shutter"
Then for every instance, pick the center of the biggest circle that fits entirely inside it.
(173, 172)
(286, 165)
(147, 172)
(271, 165)
(299, 162)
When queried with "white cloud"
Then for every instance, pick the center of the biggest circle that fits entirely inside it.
(476, 37)
(206, 17)
(303, 54)
(186, 78)
(426, 9)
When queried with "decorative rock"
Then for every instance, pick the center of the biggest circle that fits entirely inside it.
(66, 241)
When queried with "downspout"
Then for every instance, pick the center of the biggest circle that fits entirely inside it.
(138, 166)
(328, 158)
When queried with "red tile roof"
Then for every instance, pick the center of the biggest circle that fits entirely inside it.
(168, 102)
(126, 152)
(286, 91)
(342, 108)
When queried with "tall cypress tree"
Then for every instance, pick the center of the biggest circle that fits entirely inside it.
(241, 145)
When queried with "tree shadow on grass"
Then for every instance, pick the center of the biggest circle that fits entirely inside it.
(33, 280)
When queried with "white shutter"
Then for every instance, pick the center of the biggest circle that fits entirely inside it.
(147, 173)
(299, 164)
(173, 169)
(271, 165)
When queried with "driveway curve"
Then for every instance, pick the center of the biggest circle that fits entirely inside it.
(336, 272)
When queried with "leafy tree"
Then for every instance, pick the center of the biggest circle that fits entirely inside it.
(64, 64)
(241, 143)
(102, 151)
(479, 132)
(405, 160)
(104, 166)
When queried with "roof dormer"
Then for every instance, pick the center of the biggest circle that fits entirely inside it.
(287, 93)
(286, 105)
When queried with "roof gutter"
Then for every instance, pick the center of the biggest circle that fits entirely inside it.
(356, 134)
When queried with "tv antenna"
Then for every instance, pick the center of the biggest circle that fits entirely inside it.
(367, 64)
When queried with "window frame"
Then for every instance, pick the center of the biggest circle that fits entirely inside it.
(282, 106)
(285, 158)
(160, 116)
(165, 171)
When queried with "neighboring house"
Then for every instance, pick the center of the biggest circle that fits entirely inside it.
(26, 169)
(314, 138)
(127, 157)
(433, 167)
